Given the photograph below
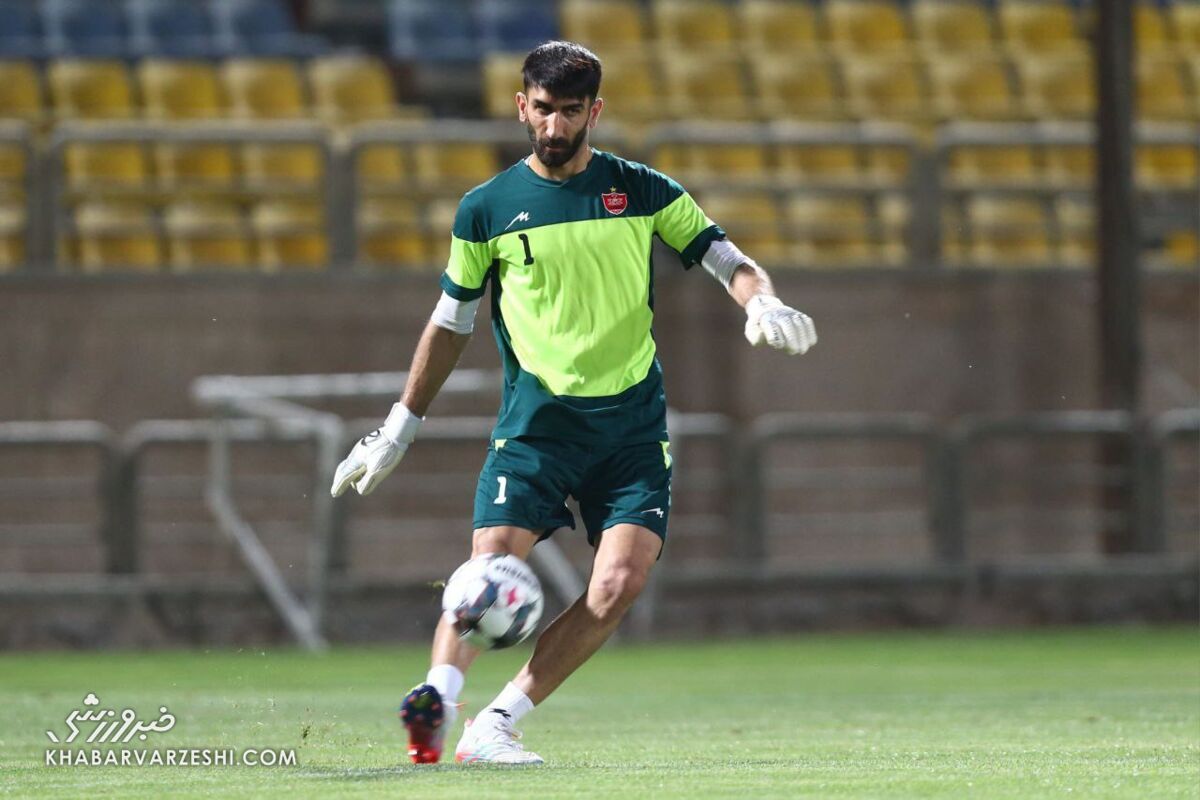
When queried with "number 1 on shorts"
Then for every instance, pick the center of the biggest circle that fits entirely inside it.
(501, 498)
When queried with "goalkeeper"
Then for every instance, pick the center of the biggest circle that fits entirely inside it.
(564, 238)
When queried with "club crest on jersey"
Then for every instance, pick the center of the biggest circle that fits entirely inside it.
(614, 202)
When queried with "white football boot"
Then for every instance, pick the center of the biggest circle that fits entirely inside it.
(491, 739)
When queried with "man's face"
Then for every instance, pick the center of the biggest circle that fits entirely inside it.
(557, 126)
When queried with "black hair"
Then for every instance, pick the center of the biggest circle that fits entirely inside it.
(564, 69)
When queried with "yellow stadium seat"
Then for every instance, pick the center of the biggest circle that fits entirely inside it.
(1150, 27)
(751, 218)
(1181, 249)
(264, 89)
(821, 164)
(13, 167)
(866, 27)
(1008, 165)
(20, 91)
(451, 166)
(723, 163)
(894, 212)
(1185, 20)
(390, 234)
(1057, 87)
(631, 91)
(1069, 166)
(885, 88)
(799, 86)
(708, 87)
(113, 167)
(84, 89)
(830, 231)
(290, 235)
(1076, 221)
(439, 220)
(971, 87)
(778, 27)
(116, 236)
(349, 89)
(13, 220)
(1008, 232)
(1166, 166)
(1162, 92)
(180, 90)
(603, 25)
(693, 25)
(382, 167)
(1038, 27)
(953, 26)
(501, 82)
(195, 166)
(207, 235)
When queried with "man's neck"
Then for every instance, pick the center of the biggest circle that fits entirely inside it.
(576, 165)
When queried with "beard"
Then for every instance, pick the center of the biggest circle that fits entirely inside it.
(564, 149)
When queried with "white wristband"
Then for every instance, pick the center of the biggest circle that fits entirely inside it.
(721, 260)
(401, 425)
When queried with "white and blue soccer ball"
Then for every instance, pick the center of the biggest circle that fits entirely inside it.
(493, 601)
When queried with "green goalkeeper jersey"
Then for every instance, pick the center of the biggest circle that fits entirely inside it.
(573, 293)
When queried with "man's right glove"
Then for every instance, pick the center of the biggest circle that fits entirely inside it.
(377, 453)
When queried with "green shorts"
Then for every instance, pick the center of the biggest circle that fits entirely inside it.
(525, 482)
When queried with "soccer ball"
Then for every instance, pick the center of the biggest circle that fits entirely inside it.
(493, 601)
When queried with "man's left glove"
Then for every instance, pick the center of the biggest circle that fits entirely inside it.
(769, 321)
(377, 453)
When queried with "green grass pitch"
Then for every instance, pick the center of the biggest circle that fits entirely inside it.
(1059, 713)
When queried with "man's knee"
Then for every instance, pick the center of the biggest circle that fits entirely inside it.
(612, 590)
(504, 539)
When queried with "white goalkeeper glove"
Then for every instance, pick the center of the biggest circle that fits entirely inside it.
(769, 321)
(377, 453)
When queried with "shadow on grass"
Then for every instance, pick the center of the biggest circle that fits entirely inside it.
(413, 770)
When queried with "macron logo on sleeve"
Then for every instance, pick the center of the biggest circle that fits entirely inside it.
(522, 217)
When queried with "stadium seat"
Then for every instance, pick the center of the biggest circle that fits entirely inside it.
(439, 220)
(86, 89)
(706, 86)
(1167, 166)
(1185, 20)
(778, 27)
(170, 28)
(884, 88)
(502, 80)
(971, 87)
(1007, 232)
(1069, 166)
(84, 28)
(796, 86)
(1039, 28)
(751, 218)
(830, 231)
(962, 27)
(290, 235)
(631, 89)
(1180, 250)
(693, 26)
(515, 26)
(206, 235)
(179, 90)
(352, 88)
(260, 28)
(606, 26)
(116, 236)
(20, 92)
(382, 167)
(1150, 27)
(454, 166)
(390, 234)
(726, 164)
(432, 30)
(1007, 165)
(1076, 223)
(1162, 93)
(14, 164)
(870, 28)
(264, 89)
(817, 165)
(894, 213)
(1057, 87)
(13, 220)
(116, 167)
(20, 30)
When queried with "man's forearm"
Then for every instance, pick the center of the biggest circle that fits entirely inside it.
(747, 281)
(435, 358)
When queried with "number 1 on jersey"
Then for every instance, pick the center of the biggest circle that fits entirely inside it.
(528, 252)
(501, 498)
